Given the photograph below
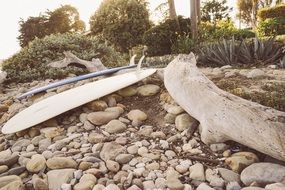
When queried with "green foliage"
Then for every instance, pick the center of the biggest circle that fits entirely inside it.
(61, 20)
(33, 27)
(271, 26)
(64, 19)
(272, 94)
(184, 44)
(243, 34)
(214, 10)
(223, 29)
(266, 51)
(121, 22)
(161, 38)
(272, 12)
(280, 37)
(30, 63)
(160, 61)
(272, 20)
(233, 52)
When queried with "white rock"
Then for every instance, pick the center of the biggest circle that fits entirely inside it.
(218, 147)
(3, 76)
(137, 115)
(112, 187)
(148, 90)
(183, 121)
(142, 150)
(197, 172)
(204, 186)
(115, 126)
(233, 186)
(263, 173)
(226, 67)
(255, 73)
(134, 187)
(160, 183)
(58, 177)
(172, 180)
(99, 187)
(148, 185)
(65, 186)
(275, 186)
(164, 144)
(170, 154)
(111, 150)
(214, 179)
(36, 164)
(229, 175)
(187, 147)
(133, 149)
(139, 171)
(175, 110)
(112, 165)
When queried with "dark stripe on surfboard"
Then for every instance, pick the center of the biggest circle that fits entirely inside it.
(74, 79)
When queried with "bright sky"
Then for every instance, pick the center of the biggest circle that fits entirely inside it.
(12, 10)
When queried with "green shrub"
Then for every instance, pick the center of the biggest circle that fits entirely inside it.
(241, 34)
(232, 52)
(160, 38)
(160, 61)
(224, 29)
(271, 26)
(280, 38)
(30, 63)
(184, 44)
(272, 12)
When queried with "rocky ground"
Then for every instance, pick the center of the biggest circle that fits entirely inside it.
(137, 138)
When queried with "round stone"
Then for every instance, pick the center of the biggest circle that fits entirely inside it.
(148, 90)
(61, 163)
(36, 163)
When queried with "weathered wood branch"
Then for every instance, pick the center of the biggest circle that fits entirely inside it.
(91, 66)
(224, 116)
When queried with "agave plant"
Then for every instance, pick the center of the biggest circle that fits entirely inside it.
(266, 51)
(232, 52)
(222, 53)
(245, 53)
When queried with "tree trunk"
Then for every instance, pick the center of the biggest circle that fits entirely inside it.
(91, 66)
(254, 13)
(198, 10)
(172, 13)
(224, 116)
(193, 17)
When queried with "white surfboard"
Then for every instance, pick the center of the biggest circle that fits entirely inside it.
(67, 100)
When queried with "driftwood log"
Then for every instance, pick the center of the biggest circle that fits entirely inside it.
(91, 66)
(224, 116)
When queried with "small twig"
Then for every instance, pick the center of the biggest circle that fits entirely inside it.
(203, 159)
